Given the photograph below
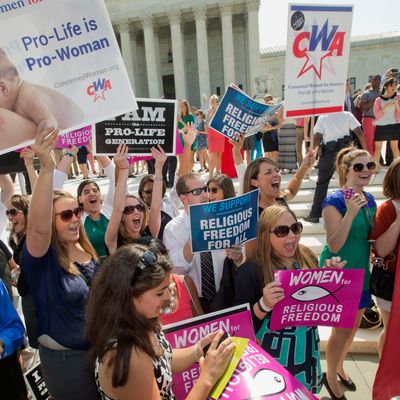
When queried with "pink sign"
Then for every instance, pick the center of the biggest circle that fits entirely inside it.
(325, 296)
(258, 376)
(236, 321)
(80, 137)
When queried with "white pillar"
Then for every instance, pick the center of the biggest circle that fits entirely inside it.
(227, 43)
(178, 55)
(200, 16)
(158, 58)
(126, 50)
(151, 58)
(253, 43)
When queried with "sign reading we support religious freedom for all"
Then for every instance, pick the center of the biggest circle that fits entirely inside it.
(79, 137)
(317, 56)
(238, 114)
(222, 224)
(61, 67)
(152, 124)
(325, 296)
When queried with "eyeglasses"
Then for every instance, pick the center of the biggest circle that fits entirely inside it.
(130, 209)
(358, 167)
(197, 191)
(148, 259)
(282, 231)
(213, 190)
(148, 191)
(66, 215)
(13, 212)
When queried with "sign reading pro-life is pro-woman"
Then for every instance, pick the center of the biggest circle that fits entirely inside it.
(317, 56)
(61, 67)
(222, 224)
(325, 296)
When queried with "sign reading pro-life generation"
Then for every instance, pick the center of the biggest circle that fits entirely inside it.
(325, 296)
(61, 67)
(152, 124)
(317, 57)
(222, 224)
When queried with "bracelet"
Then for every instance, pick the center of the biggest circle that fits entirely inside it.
(263, 308)
(123, 168)
(158, 179)
(68, 153)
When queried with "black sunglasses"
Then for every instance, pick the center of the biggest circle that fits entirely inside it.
(197, 191)
(212, 190)
(66, 215)
(13, 212)
(282, 231)
(148, 191)
(358, 167)
(130, 209)
(148, 259)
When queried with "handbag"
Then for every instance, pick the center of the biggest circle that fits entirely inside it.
(381, 283)
(371, 319)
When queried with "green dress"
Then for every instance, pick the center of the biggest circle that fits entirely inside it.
(96, 231)
(356, 250)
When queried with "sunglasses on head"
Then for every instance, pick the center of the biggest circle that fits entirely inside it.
(213, 190)
(130, 209)
(358, 167)
(197, 191)
(148, 259)
(282, 231)
(66, 215)
(13, 212)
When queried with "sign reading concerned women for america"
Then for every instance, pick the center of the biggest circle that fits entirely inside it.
(60, 66)
(222, 224)
(326, 296)
(152, 124)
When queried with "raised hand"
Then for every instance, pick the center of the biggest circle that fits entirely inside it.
(27, 155)
(190, 135)
(355, 203)
(159, 156)
(120, 158)
(43, 146)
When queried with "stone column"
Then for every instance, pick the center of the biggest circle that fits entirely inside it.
(253, 43)
(227, 43)
(200, 16)
(158, 58)
(126, 50)
(151, 58)
(178, 55)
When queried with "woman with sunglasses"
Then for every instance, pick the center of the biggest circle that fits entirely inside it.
(131, 219)
(133, 358)
(59, 264)
(220, 187)
(277, 248)
(348, 215)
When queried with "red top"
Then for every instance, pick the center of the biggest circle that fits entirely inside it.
(385, 216)
(184, 309)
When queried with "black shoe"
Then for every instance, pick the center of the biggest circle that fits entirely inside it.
(332, 396)
(349, 384)
(310, 218)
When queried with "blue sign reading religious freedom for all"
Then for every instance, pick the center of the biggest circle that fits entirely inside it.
(240, 114)
(222, 224)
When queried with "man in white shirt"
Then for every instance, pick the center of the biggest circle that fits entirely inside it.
(331, 134)
(192, 190)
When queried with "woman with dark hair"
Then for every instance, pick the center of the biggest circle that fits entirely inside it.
(387, 119)
(348, 215)
(59, 264)
(386, 233)
(277, 248)
(220, 187)
(133, 358)
(131, 219)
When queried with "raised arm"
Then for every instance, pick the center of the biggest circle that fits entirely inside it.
(109, 169)
(156, 199)
(38, 234)
(63, 167)
(121, 161)
(27, 155)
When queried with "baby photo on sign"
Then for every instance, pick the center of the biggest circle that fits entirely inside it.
(27, 108)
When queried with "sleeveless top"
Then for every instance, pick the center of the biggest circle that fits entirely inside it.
(161, 367)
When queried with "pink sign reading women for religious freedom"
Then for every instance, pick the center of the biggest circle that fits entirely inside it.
(325, 296)
(79, 137)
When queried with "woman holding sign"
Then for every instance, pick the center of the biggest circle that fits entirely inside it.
(133, 358)
(348, 218)
(277, 247)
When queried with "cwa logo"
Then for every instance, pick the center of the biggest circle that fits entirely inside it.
(317, 46)
(98, 89)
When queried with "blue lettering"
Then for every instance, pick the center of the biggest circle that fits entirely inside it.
(322, 36)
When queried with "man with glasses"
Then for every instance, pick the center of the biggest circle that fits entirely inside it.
(331, 134)
(204, 268)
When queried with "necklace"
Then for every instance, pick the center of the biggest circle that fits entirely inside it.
(172, 304)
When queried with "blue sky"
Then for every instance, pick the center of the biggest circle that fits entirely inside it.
(370, 16)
